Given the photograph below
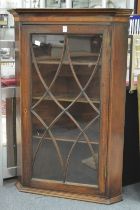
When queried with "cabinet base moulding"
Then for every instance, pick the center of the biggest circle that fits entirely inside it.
(61, 194)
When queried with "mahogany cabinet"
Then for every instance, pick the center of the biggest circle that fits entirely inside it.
(71, 71)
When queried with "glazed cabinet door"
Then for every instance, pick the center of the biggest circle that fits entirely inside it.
(64, 98)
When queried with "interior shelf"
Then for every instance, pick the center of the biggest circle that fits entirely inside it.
(69, 131)
(76, 59)
(77, 54)
(54, 61)
(68, 99)
(65, 140)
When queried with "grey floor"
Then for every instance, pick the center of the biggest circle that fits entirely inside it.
(11, 199)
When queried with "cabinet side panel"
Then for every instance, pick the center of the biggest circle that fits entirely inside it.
(117, 108)
(104, 86)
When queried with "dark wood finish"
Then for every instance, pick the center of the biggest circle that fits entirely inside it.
(61, 194)
(110, 28)
(115, 128)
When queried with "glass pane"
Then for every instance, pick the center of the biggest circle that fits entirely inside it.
(65, 107)
(87, 3)
(80, 3)
(53, 3)
(96, 3)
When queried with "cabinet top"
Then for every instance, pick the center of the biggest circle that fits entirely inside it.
(71, 15)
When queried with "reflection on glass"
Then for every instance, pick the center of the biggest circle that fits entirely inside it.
(95, 3)
(66, 107)
(80, 3)
(53, 3)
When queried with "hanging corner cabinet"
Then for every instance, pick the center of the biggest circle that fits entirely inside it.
(71, 71)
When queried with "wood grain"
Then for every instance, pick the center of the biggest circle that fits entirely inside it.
(112, 24)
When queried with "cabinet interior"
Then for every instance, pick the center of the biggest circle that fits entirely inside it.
(65, 106)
